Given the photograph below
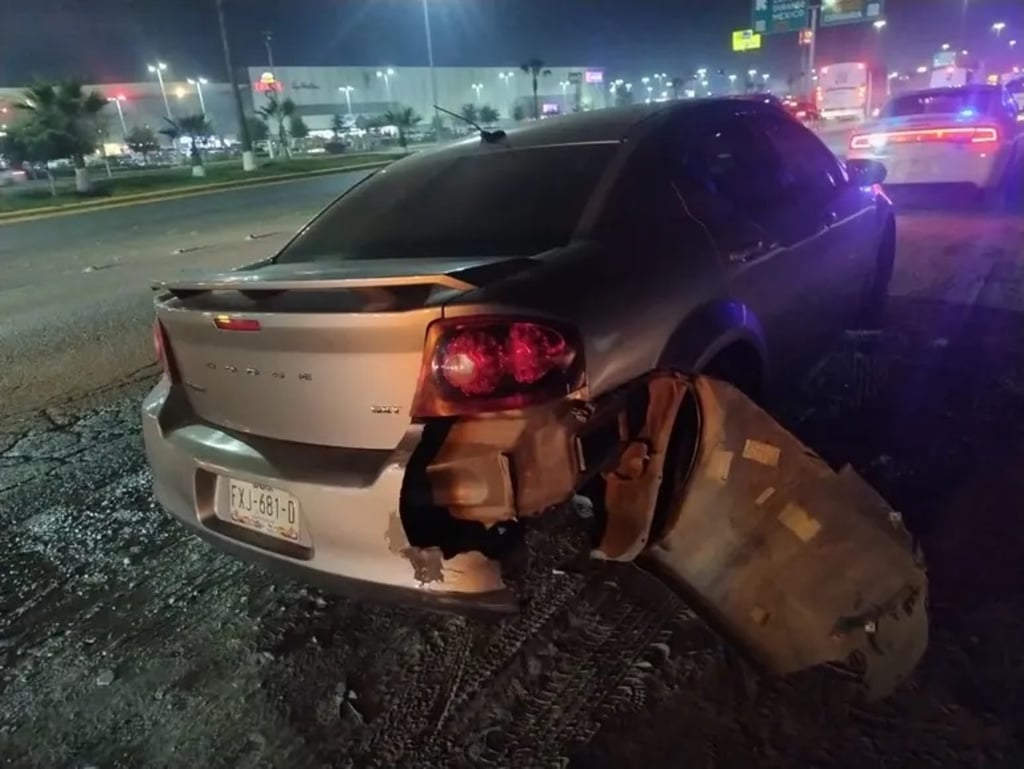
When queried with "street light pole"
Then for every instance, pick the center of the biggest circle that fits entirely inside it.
(248, 159)
(159, 68)
(347, 90)
(478, 87)
(385, 75)
(199, 82)
(120, 112)
(430, 61)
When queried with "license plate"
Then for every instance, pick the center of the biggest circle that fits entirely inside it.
(264, 509)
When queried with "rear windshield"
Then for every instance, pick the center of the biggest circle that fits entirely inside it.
(502, 203)
(951, 102)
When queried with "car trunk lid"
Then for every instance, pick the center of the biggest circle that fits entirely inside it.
(321, 354)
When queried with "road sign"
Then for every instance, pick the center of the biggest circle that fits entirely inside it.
(772, 17)
(745, 40)
(850, 12)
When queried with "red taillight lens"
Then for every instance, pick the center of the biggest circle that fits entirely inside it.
(967, 134)
(479, 365)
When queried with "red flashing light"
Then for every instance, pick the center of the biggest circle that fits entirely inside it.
(228, 323)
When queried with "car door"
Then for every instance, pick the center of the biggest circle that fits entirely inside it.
(842, 216)
(731, 180)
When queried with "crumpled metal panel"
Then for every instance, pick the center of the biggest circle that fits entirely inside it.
(795, 564)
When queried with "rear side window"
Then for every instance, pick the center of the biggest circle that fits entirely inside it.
(808, 168)
(503, 202)
(952, 102)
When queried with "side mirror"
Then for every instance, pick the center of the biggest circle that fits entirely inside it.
(865, 173)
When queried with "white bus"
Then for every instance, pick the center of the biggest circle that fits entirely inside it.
(844, 90)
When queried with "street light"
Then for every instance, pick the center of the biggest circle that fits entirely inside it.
(120, 113)
(506, 78)
(199, 82)
(766, 76)
(921, 70)
(998, 27)
(945, 46)
(430, 62)
(159, 68)
(347, 90)
(1013, 43)
(386, 75)
(478, 87)
(752, 72)
(880, 24)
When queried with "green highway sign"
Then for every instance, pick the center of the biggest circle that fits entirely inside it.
(772, 17)
(850, 12)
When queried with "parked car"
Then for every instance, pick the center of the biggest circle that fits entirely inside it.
(804, 111)
(966, 135)
(474, 334)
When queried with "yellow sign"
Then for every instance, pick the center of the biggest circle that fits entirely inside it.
(745, 40)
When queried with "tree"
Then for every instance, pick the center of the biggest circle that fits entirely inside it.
(297, 127)
(280, 112)
(470, 112)
(518, 113)
(248, 163)
(143, 140)
(257, 129)
(535, 69)
(675, 84)
(489, 115)
(337, 125)
(402, 118)
(194, 127)
(62, 122)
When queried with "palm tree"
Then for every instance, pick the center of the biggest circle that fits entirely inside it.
(65, 115)
(280, 112)
(535, 69)
(195, 127)
(402, 118)
(337, 125)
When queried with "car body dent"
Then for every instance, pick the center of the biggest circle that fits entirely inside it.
(794, 564)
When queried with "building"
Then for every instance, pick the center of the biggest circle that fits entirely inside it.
(322, 92)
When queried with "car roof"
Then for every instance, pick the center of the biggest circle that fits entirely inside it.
(610, 125)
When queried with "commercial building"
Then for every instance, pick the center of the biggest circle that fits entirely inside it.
(322, 92)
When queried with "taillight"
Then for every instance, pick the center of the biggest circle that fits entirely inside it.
(162, 350)
(965, 134)
(485, 364)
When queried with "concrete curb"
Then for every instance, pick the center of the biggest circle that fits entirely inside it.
(14, 217)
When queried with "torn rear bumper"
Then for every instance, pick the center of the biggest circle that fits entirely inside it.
(793, 563)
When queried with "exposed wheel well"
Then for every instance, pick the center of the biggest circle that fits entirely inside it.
(739, 364)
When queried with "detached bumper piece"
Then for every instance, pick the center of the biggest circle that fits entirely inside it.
(795, 564)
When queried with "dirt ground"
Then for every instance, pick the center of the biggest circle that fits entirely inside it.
(126, 643)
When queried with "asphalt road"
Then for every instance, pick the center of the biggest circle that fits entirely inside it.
(126, 643)
(75, 304)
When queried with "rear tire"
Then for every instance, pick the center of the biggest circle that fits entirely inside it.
(875, 301)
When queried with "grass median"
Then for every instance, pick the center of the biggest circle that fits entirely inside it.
(157, 180)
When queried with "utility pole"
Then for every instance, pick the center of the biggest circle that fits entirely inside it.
(248, 161)
(268, 39)
(812, 48)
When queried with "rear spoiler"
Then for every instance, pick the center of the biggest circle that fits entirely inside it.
(251, 283)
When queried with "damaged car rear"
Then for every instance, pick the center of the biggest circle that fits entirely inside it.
(474, 335)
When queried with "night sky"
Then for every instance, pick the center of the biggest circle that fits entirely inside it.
(110, 40)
